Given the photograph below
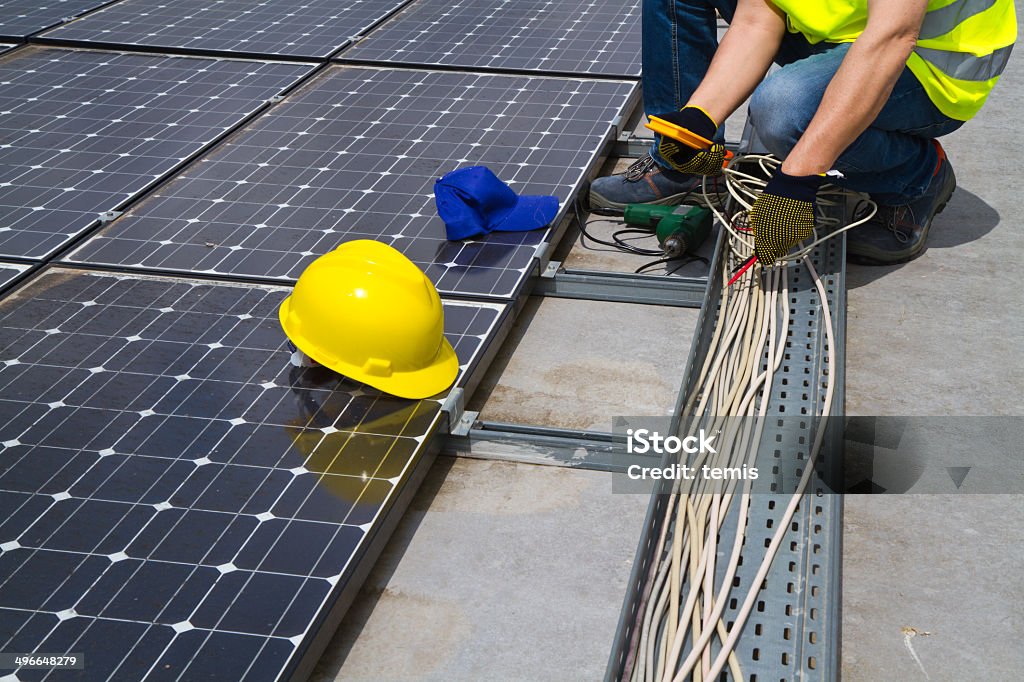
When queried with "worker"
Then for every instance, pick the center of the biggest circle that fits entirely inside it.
(865, 88)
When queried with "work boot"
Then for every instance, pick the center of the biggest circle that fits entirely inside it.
(645, 182)
(897, 234)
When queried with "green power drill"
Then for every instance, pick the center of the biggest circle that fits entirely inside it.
(680, 229)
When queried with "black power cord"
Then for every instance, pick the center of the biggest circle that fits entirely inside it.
(619, 242)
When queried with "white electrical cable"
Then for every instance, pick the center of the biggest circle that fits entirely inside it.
(741, 187)
(680, 602)
(787, 517)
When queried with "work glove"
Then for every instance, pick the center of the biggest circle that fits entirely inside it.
(783, 215)
(685, 158)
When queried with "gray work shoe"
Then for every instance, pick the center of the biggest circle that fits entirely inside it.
(645, 182)
(897, 234)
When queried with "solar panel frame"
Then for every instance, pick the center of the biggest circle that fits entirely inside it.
(334, 162)
(143, 517)
(11, 271)
(38, 15)
(86, 132)
(312, 30)
(600, 39)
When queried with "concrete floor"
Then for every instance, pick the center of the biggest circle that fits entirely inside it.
(499, 571)
(942, 335)
(516, 572)
(577, 364)
(948, 566)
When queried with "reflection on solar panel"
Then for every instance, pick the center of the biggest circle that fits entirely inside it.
(10, 271)
(354, 155)
(600, 37)
(312, 28)
(170, 483)
(21, 18)
(83, 132)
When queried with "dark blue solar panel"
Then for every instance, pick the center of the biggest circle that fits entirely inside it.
(310, 29)
(82, 132)
(601, 37)
(21, 18)
(176, 500)
(354, 155)
(11, 271)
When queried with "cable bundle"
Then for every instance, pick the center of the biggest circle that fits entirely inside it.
(682, 601)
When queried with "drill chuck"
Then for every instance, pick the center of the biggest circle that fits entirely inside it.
(674, 246)
(682, 234)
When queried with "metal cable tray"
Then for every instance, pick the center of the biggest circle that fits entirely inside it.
(794, 630)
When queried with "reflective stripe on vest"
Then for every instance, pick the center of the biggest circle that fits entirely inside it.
(960, 65)
(938, 22)
(962, 46)
(964, 66)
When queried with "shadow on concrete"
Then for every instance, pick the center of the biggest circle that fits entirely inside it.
(966, 218)
(352, 624)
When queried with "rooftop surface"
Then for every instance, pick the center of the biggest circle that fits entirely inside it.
(500, 569)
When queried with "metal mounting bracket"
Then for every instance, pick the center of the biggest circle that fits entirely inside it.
(109, 216)
(459, 420)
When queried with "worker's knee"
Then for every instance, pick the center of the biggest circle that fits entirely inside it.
(780, 110)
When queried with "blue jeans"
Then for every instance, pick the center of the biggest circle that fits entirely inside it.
(893, 160)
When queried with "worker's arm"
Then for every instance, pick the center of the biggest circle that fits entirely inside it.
(783, 213)
(739, 64)
(742, 59)
(861, 86)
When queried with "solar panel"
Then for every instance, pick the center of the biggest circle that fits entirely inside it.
(11, 271)
(354, 155)
(21, 18)
(600, 37)
(170, 483)
(82, 132)
(4, 47)
(310, 29)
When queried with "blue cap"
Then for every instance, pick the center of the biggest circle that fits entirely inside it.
(473, 201)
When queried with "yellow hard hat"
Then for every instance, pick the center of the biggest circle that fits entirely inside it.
(366, 311)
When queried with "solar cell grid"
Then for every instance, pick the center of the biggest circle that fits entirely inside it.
(307, 29)
(21, 18)
(170, 483)
(599, 37)
(353, 155)
(82, 132)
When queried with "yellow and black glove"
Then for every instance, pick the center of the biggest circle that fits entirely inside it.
(684, 158)
(783, 215)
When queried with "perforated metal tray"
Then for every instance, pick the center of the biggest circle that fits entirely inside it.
(794, 630)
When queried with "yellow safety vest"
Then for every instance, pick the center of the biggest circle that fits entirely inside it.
(962, 48)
